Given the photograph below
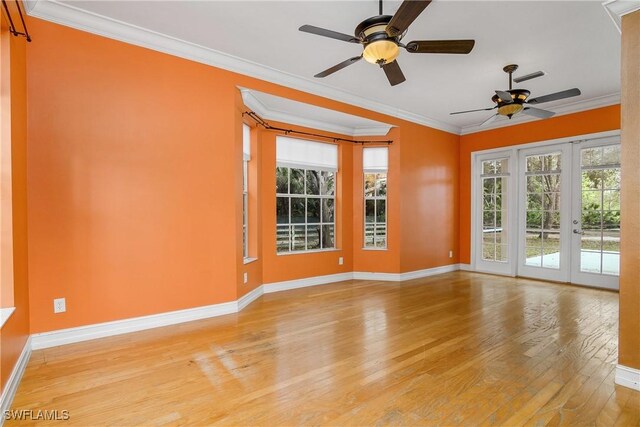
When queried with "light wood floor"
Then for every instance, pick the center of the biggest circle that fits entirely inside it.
(458, 348)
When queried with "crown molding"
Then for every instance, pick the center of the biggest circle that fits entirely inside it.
(74, 17)
(574, 107)
(268, 113)
(616, 9)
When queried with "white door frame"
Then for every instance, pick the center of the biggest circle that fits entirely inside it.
(513, 170)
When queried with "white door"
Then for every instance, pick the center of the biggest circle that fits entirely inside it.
(595, 228)
(544, 239)
(494, 203)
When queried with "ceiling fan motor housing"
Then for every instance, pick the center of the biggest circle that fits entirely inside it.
(379, 47)
(519, 97)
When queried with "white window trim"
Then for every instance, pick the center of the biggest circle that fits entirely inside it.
(309, 251)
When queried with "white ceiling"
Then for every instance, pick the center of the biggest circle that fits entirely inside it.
(574, 42)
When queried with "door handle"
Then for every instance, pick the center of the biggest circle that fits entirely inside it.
(576, 231)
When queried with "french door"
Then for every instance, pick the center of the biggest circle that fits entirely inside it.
(595, 225)
(545, 212)
(550, 212)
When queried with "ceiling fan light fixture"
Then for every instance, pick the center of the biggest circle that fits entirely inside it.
(381, 52)
(510, 109)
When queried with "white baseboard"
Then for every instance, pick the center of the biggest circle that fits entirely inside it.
(466, 267)
(10, 388)
(117, 327)
(429, 272)
(366, 275)
(249, 297)
(628, 377)
(410, 275)
(303, 283)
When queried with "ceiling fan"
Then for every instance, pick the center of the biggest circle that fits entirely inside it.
(381, 37)
(514, 101)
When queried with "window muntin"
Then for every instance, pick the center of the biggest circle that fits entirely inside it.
(375, 210)
(305, 209)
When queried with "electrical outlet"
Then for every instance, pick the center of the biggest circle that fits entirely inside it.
(450, 254)
(340, 261)
(246, 277)
(59, 305)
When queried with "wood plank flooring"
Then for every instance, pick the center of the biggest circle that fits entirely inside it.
(454, 349)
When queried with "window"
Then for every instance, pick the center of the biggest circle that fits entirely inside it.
(246, 157)
(375, 162)
(305, 195)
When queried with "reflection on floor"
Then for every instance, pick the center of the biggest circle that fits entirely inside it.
(459, 348)
(590, 262)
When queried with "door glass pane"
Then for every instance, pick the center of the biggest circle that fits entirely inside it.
(600, 218)
(542, 210)
(495, 246)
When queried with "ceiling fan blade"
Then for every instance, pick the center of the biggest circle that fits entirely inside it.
(528, 77)
(555, 96)
(406, 14)
(394, 73)
(328, 33)
(489, 120)
(338, 67)
(504, 96)
(440, 46)
(473, 111)
(537, 112)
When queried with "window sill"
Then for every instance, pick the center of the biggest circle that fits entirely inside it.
(375, 249)
(313, 251)
(5, 314)
(246, 261)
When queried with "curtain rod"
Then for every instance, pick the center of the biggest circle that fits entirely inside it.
(261, 122)
(12, 27)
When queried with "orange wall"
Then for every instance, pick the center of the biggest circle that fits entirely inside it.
(135, 185)
(629, 338)
(131, 180)
(429, 201)
(586, 122)
(15, 332)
